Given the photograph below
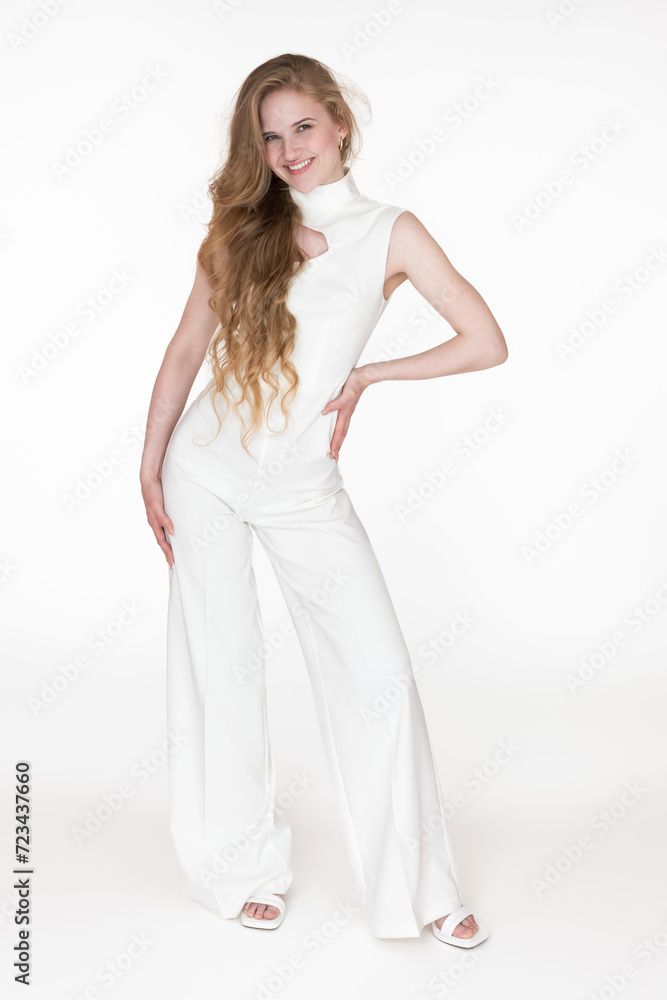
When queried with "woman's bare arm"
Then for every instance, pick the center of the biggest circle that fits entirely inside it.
(182, 360)
(479, 342)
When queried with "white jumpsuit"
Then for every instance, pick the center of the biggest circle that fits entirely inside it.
(229, 840)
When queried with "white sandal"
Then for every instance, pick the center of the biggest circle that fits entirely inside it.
(445, 933)
(270, 899)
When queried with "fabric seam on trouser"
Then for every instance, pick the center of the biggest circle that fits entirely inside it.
(443, 820)
(385, 720)
(336, 755)
(336, 762)
(270, 777)
(333, 757)
(266, 813)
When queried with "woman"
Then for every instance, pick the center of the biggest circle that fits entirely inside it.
(295, 270)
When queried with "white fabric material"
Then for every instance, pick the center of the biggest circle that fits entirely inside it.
(228, 839)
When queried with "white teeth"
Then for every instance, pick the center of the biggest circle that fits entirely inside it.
(298, 166)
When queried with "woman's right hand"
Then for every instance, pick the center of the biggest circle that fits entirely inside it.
(151, 491)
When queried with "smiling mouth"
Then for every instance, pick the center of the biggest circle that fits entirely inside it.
(300, 166)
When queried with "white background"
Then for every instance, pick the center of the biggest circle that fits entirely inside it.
(134, 205)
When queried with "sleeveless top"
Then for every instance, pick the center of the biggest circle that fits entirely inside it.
(337, 300)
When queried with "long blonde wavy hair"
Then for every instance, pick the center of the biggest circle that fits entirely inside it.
(255, 222)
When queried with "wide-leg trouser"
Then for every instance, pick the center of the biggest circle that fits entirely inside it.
(229, 839)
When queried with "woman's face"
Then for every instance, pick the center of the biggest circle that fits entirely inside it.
(296, 129)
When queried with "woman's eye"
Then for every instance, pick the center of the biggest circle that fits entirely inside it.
(273, 135)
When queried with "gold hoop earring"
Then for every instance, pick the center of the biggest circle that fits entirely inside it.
(340, 145)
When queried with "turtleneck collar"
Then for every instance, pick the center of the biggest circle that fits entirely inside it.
(327, 196)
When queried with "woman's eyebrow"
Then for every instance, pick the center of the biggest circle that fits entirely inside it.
(272, 131)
